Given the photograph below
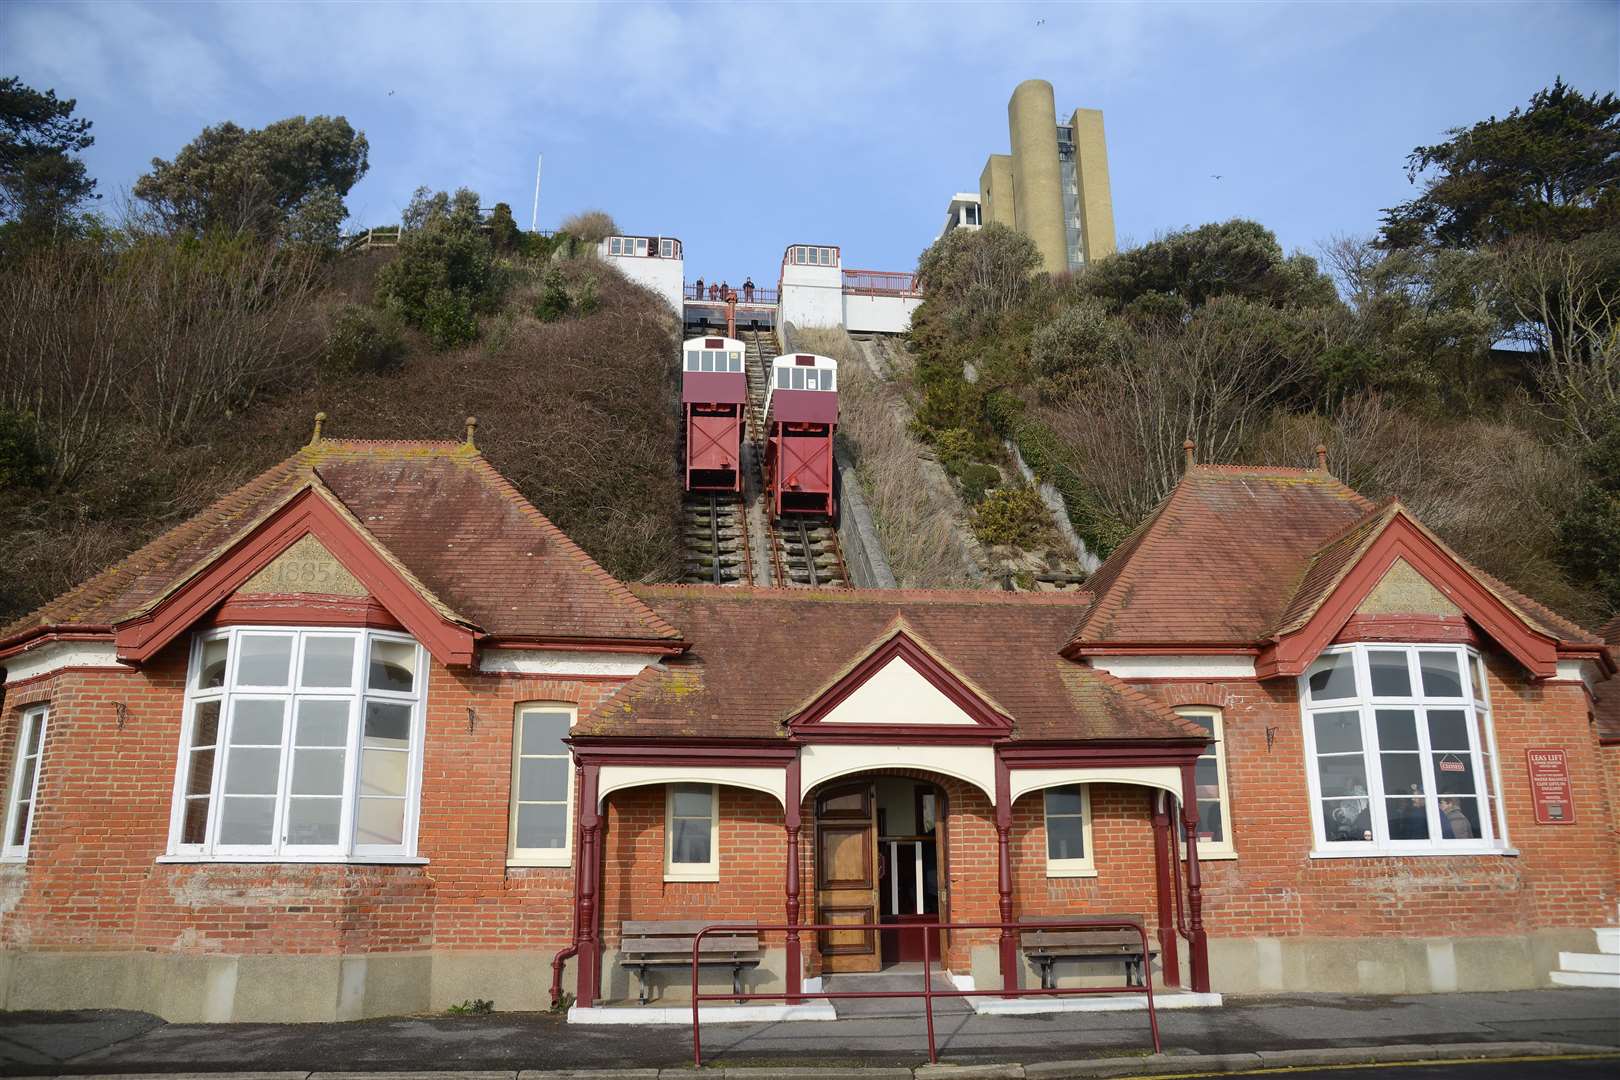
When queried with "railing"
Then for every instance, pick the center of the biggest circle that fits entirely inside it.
(758, 296)
(928, 993)
(881, 283)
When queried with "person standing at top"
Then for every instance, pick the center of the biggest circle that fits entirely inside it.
(700, 288)
(748, 290)
(714, 291)
(725, 290)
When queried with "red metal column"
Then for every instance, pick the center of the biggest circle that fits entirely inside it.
(590, 950)
(1199, 944)
(795, 963)
(1164, 851)
(1004, 881)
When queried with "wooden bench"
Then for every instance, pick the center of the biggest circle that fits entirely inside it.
(1046, 946)
(669, 944)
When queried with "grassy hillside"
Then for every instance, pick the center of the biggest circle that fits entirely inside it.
(140, 382)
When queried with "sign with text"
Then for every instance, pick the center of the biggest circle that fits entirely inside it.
(1550, 788)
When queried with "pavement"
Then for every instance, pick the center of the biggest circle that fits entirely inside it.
(1246, 1033)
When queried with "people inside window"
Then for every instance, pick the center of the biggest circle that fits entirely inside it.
(1399, 738)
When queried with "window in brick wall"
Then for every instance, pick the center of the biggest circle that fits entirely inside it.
(300, 745)
(22, 796)
(1068, 831)
(542, 787)
(1400, 752)
(691, 833)
(1214, 804)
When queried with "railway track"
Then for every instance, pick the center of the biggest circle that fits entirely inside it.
(804, 551)
(714, 539)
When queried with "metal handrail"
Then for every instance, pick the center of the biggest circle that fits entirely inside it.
(928, 993)
(881, 283)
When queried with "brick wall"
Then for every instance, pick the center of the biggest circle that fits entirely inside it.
(92, 880)
(1564, 875)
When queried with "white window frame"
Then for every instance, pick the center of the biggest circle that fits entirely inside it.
(33, 716)
(1213, 849)
(709, 871)
(1475, 704)
(563, 856)
(279, 851)
(1070, 868)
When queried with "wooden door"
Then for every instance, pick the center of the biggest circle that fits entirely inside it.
(846, 876)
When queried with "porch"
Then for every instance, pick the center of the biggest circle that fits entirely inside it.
(897, 837)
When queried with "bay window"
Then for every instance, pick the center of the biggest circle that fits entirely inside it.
(299, 745)
(1400, 752)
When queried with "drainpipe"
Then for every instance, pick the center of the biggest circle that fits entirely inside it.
(569, 953)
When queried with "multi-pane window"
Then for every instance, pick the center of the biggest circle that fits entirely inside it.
(815, 256)
(542, 786)
(1209, 778)
(23, 794)
(1068, 831)
(691, 839)
(1399, 740)
(300, 744)
(714, 360)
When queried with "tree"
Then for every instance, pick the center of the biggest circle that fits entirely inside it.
(284, 181)
(1551, 170)
(503, 230)
(589, 226)
(1590, 532)
(42, 185)
(1186, 269)
(977, 275)
(445, 271)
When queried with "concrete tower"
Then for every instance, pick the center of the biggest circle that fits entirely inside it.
(1053, 187)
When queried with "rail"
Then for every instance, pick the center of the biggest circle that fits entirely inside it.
(759, 296)
(928, 993)
(881, 283)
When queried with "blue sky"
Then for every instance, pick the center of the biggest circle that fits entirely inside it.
(742, 128)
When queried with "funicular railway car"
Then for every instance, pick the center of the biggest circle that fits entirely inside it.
(714, 408)
(801, 417)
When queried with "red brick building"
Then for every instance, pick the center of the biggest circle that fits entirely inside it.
(370, 735)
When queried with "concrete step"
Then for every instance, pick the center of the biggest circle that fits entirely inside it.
(1585, 978)
(1595, 963)
(1609, 940)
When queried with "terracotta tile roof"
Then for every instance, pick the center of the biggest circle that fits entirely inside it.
(758, 656)
(1239, 555)
(1220, 558)
(453, 525)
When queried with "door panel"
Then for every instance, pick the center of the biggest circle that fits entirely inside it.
(846, 878)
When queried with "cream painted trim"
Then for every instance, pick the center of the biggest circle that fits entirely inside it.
(1086, 865)
(563, 856)
(772, 782)
(897, 693)
(545, 662)
(820, 762)
(62, 654)
(1581, 671)
(1225, 847)
(1175, 667)
(708, 871)
(1163, 777)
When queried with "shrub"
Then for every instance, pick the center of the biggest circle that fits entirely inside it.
(503, 230)
(589, 226)
(584, 297)
(363, 339)
(448, 319)
(977, 479)
(472, 1007)
(1014, 516)
(554, 302)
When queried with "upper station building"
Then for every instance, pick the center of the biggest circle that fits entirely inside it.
(370, 736)
(1052, 187)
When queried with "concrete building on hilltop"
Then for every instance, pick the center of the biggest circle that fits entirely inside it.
(1053, 186)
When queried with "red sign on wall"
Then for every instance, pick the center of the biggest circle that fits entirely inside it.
(1549, 787)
